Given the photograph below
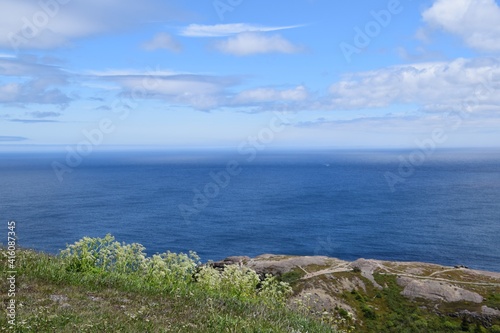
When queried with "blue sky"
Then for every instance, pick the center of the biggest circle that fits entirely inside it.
(293, 74)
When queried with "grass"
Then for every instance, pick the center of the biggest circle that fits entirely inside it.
(386, 310)
(292, 276)
(493, 300)
(52, 298)
(98, 285)
(395, 313)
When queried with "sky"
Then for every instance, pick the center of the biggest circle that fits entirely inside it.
(91, 74)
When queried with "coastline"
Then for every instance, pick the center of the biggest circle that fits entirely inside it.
(454, 291)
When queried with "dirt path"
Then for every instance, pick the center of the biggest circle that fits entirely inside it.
(346, 268)
(336, 269)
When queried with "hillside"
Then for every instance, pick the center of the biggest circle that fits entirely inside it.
(99, 285)
(388, 296)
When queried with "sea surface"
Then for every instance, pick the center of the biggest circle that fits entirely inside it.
(444, 209)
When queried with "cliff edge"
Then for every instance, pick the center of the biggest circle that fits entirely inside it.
(369, 289)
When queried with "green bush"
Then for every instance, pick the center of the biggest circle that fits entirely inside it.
(495, 329)
(104, 255)
(479, 328)
(464, 326)
(273, 290)
(235, 280)
(170, 270)
(368, 312)
(241, 282)
(291, 277)
(100, 298)
(356, 270)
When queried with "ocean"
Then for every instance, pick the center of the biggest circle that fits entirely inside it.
(440, 207)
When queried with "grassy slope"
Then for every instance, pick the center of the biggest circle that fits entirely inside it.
(50, 299)
(387, 310)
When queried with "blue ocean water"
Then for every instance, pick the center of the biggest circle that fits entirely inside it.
(335, 203)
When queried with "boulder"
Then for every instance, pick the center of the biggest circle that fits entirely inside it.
(436, 291)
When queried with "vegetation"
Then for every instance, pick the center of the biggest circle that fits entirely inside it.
(387, 310)
(100, 285)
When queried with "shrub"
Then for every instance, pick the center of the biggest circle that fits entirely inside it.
(91, 254)
(273, 290)
(368, 312)
(105, 255)
(495, 329)
(291, 277)
(170, 270)
(464, 326)
(238, 281)
(356, 270)
(479, 329)
(243, 283)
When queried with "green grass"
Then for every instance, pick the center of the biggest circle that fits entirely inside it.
(493, 300)
(53, 296)
(293, 276)
(395, 313)
(99, 285)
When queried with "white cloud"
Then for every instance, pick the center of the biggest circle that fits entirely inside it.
(199, 91)
(162, 41)
(202, 92)
(427, 87)
(260, 95)
(475, 21)
(12, 138)
(32, 82)
(254, 43)
(131, 72)
(432, 86)
(222, 30)
(9, 92)
(33, 24)
(175, 86)
(405, 131)
(41, 114)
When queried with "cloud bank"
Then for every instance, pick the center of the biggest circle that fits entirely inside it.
(474, 21)
(470, 83)
(34, 24)
(33, 83)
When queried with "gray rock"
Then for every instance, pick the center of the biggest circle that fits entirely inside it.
(277, 264)
(489, 311)
(436, 291)
(236, 260)
(367, 268)
(58, 298)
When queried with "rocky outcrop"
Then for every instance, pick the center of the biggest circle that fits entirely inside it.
(367, 268)
(322, 283)
(436, 291)
(280, 264)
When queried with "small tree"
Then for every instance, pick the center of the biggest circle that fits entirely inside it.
(464, 326)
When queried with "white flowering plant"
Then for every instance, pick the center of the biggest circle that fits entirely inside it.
(236, 280)
(242, 282)
(171, 268)
(274, 291)
(175, 271)
(91, 254)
